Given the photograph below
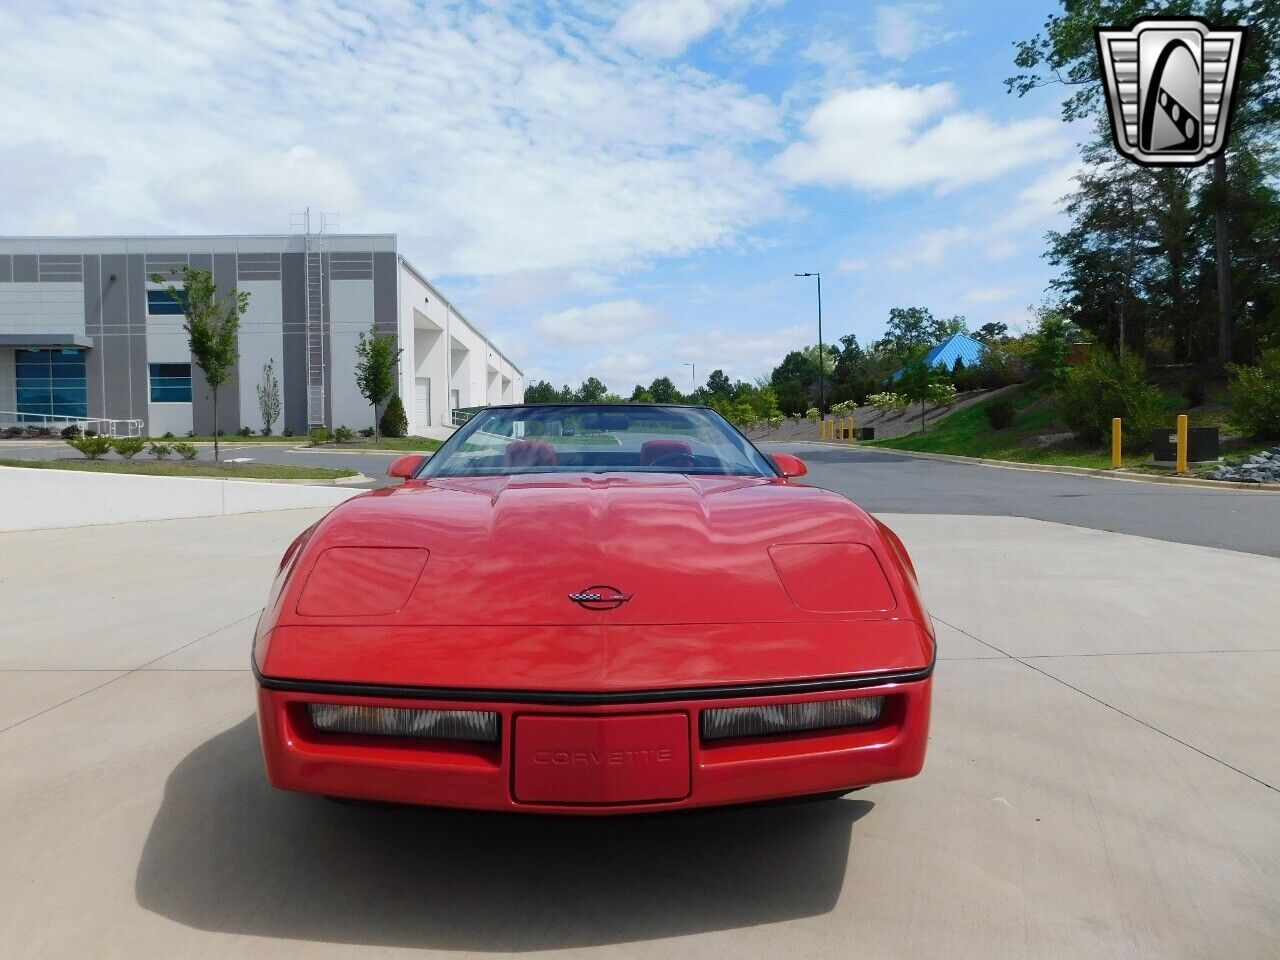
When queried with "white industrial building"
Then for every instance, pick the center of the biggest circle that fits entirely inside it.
(86, 335)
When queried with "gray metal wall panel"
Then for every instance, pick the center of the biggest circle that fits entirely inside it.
(139, 385)
(385, 291)
(113, 348)
(6, 268)
(93, 329)
(327, 333)
(26, 268)
(293, 374)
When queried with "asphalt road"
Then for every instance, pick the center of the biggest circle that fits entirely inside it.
(887, 482)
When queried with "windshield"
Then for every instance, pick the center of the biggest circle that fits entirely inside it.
(592, 438)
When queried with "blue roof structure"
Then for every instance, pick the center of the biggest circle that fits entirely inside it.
(958, 346)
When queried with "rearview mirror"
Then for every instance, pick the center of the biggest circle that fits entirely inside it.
(405, 466)
(789, 466)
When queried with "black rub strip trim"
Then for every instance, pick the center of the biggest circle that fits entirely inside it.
(822, 685)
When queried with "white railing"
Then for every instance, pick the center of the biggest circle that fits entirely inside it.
(462, 416)
(101, 425)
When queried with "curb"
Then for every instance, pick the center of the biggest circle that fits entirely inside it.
(1223, 485)
(322, 482)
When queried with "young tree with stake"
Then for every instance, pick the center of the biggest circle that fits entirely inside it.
(269, 397)
(212, 328)
(376, 356)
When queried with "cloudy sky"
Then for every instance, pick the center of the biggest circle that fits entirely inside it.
(607, 187)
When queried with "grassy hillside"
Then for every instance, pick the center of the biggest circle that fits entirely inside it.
(1038, 435)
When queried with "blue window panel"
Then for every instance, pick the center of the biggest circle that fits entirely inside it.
(162, 303)
(170, 382)
(51, 383)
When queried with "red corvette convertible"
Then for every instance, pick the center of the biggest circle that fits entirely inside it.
(594, 609)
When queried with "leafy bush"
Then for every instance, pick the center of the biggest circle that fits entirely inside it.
(187, 451)
(887, 401)
(128, 447)
(344, 434)
(394, 423)
(69, 432)
(366, 431)
(11, 433)
(287, 432)
(168, 435)
(1103, 387)
(92, 447)
(844, 408)
(999, 414)
(940, 394)
(319, 435)
(89, 432)
(812, 414)
(160, 450)
(246, 431)
(1195, 392)
(1255, 397)
(191, 433)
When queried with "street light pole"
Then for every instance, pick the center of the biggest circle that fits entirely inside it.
(693, 374)
(822, 358)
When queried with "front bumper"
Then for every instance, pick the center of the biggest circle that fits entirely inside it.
(484, 776)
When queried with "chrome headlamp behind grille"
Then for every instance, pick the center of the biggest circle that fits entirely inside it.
(725, 722)
(481, 725)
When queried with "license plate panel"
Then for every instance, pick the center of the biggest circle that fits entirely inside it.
(601, 759)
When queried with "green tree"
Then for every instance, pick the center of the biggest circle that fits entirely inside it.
(212, 327)
(376, 357)
(541, 392)
(591, 391)
(1050, 351)
(1106, 386)
(994, 332)
(269, 397)
(1065, 53)
(719, 385)
(394, 423)
(664, 391)
(917, 383)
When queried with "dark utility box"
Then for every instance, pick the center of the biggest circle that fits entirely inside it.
(1202, 445)
(866, 433)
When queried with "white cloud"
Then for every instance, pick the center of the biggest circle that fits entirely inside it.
(488, 141)
(666, 27)
(261, 191)
(903, 30)
(854, 265)
(617, 321)
(990, 294)
(932, 247)
(889, 137)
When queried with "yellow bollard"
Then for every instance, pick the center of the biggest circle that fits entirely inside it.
(1116, 441)
(1182, 443)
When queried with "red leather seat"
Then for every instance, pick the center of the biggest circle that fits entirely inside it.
(652, 450)
(529, 453)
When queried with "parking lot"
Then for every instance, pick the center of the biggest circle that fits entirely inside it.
(1102, 778)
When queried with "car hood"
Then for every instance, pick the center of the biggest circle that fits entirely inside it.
(509, 551)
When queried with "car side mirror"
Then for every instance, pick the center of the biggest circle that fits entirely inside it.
(405, 466)
(789, 466)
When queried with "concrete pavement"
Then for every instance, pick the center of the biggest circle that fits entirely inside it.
(1101, 780)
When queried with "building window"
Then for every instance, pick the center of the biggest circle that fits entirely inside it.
(170, 383)
(162, 303)
(50, 385)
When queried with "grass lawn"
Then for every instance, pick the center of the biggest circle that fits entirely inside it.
(186, 468)
(407, 444)
(1038, 436)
